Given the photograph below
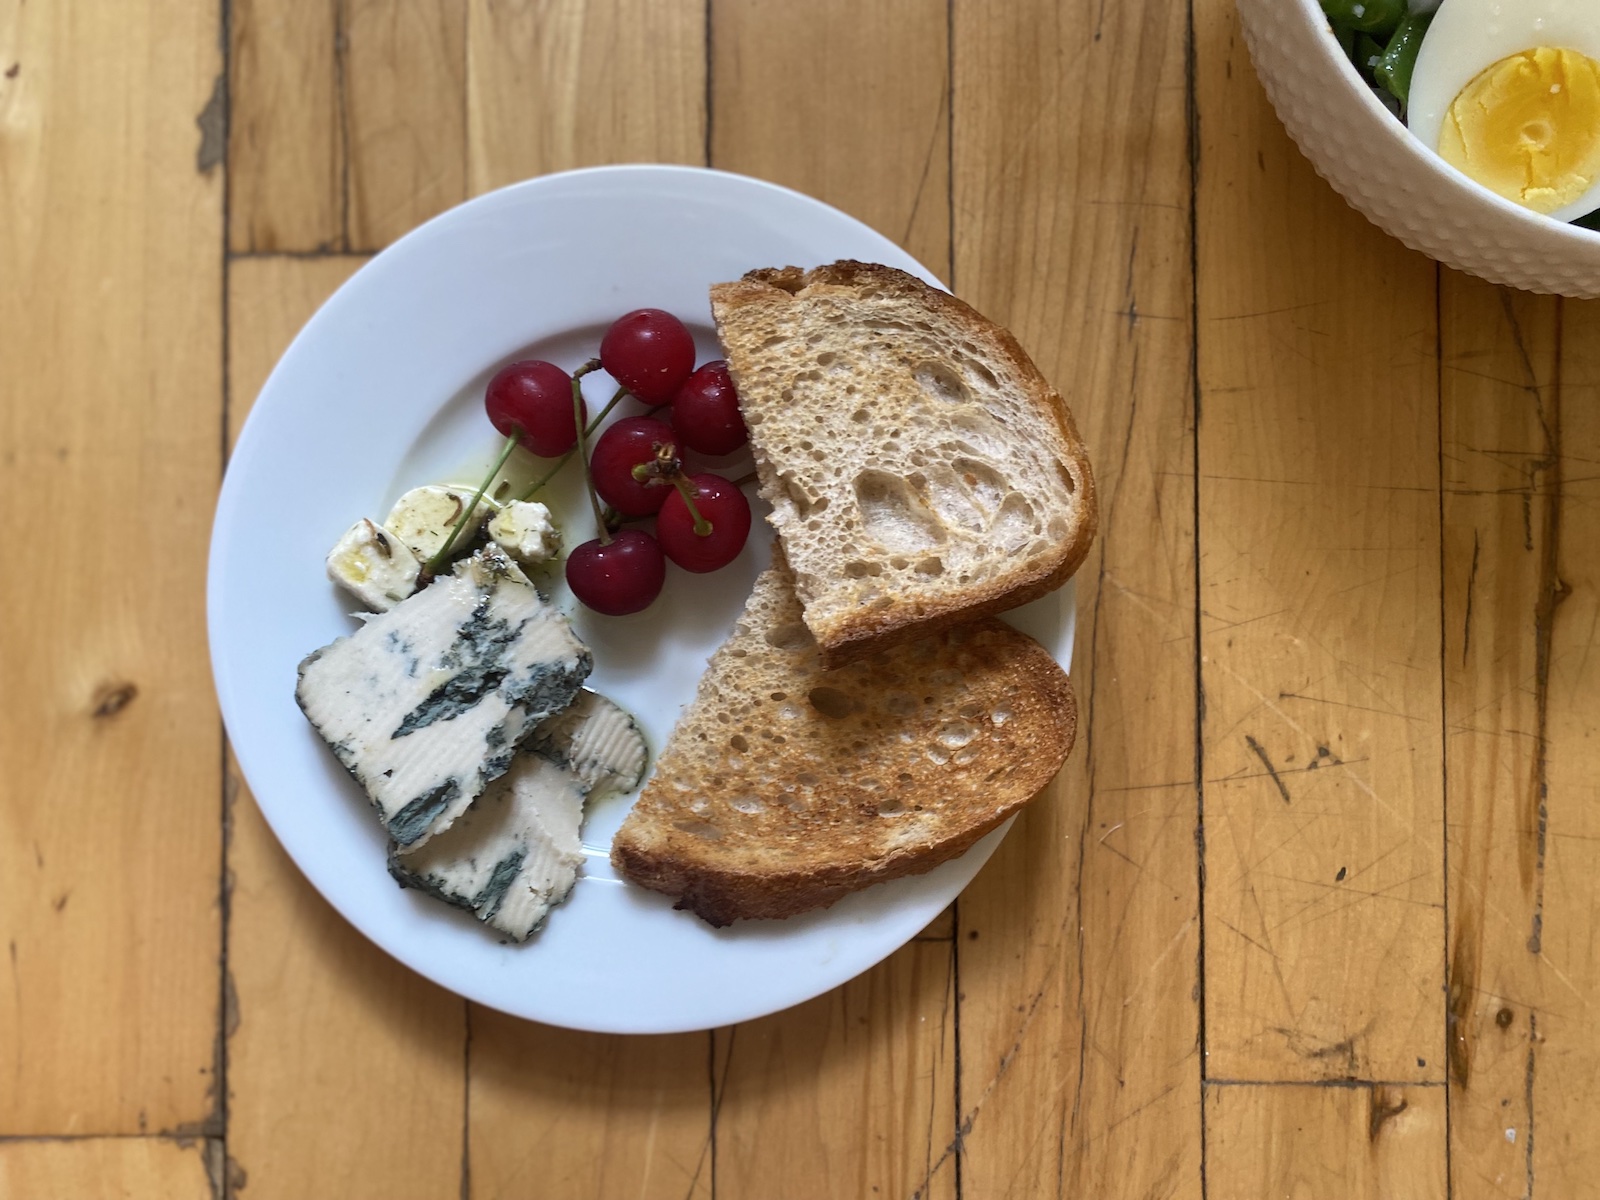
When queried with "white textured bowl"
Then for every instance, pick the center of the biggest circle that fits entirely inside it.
(1385, 173)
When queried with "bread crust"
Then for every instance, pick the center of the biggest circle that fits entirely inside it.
(852, 637)
(735, 827)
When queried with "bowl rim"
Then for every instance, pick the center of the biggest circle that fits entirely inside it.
(1399, 133)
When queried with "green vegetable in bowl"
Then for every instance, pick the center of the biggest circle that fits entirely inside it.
(1366, 16)
(1393, 72)
(1381, 39)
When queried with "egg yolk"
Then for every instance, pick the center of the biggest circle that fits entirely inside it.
(1528, 128)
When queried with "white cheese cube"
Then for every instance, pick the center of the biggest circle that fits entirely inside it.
(524, 530)
(373, 565)
(424, 517)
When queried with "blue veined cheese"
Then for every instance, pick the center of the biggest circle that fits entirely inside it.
(425, 704)
(515, 854)
(524, 530)
(374, 566)
(424, 517)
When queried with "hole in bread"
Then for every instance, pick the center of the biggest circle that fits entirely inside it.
(894, 516)
(831, 702)
(1067, 484)
(892, 807)
(947, 497)
(773, 342)
(746, 804)
(780, 695)
(1014, 523)
(1001, 715)
(939, 383)
(807, 779)
(739, 742)
(861, 416)
(793, 636)
(956, 735)
(859, 570)
(1058, 529)
(898, 563)
(700, 829)
(932, 565)
(963, 757)
(904, 777)
(986, 485)
(826, 358)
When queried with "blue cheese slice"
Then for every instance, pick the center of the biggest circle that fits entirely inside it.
(515, 854)
(426, 703)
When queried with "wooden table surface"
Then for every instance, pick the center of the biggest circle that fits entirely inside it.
(1311, 911)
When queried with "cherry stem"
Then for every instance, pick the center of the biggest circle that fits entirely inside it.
(583, 451)
(567, 457)
(702, 527)
(438, 560)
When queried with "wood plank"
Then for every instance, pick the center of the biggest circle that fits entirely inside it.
(1368, 1141)
(111, 342)
(588, 1114)
(1564, 1045)
(1498, 390)
(346, 1070)
(1078, 943)
(857, 1087)
(556, 84)
(137, 1168)
(286, 145)
(405, 101)
(1319, 594)
(850, 1094)
(873, 135)
(552, 85)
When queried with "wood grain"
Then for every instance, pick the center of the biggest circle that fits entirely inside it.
(560, 1113)
(1319, 598)
(1563, 1042)
(874, 138)
(346, 1071)
(286, 129)
(406, 108)
(111, 345)
(1377, 1140)
(1078, 942)
(136, 1168)
(1499, 422)
(556, 84)
(850, 1094)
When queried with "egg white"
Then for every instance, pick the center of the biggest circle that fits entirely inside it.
(1469, 36)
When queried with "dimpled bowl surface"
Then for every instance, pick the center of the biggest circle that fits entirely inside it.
(1385, 173)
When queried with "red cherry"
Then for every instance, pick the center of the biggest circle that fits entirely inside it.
(721, 504)
(618, 577)
(632, 442)
(534, 398)
(705, 412)
(649, 352)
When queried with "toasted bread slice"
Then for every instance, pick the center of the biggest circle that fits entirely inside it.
(785, 787)
(921, 471)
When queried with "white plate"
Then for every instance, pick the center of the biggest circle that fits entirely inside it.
(382, 390)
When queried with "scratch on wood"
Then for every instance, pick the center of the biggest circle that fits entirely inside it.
(1261, 753)
(1472, 580)
(1384, 1106)
(213, 123)
(1459, 990)
(1527, 1098)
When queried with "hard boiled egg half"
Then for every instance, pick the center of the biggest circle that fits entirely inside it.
(1508, 93)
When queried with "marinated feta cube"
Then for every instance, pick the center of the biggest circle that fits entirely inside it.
(524, 530)
(424, 517)
(374, 566)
